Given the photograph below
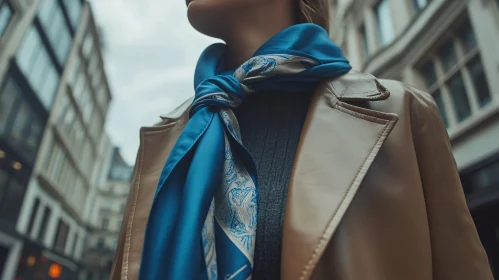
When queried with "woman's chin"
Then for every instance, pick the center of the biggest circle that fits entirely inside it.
(204, 19)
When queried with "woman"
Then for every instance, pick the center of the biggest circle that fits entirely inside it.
(288, 165)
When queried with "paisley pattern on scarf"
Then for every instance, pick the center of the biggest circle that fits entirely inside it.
(203, 220)
(263, 66)
(208, 238)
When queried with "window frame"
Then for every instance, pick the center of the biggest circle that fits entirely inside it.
(365, 49)
(61, 242)
(381, 34)
(465, 57)
(35, 207)
(68, 8)
(105, 223)
(22, 98)
(56, 30)
(44, 223)
(38, 50)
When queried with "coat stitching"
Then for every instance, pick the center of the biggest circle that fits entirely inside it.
(346, 199)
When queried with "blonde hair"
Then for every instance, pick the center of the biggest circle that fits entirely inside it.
(314, 11)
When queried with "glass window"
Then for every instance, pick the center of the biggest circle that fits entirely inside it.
(479, 81)
(45, 221)
(48, 154)
(5, 16)
(69, 190)
(69, 117)
(100, 242)
(52, 18)
(419, 4)
(32, 217)
(105, 223)
(429, 74)
(77, 196)
(447, 54)
(459, 97)
(29, 49)
(46, 10)
(13, 200)
(61, 236)
(454, 53)
(37, 66)
(384, 23)
(38, 71)
(483, 178)
(57, 161)
(7, 100)
(73, 7)
(75, 242)
(467, 37)
(50, 86)
(34, 135)
(82, 196)
(106, 205)
(441, 107)
(87, 155)
(26, 131)
(23, 124)
(67, 177)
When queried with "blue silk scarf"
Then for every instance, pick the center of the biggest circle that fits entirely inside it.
(202, 223)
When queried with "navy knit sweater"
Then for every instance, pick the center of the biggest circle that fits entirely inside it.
(271, 125)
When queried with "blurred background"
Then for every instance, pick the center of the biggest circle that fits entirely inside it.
(78, 79)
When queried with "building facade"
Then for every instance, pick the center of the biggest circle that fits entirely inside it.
(54, 99)
(449, 49)
(106, 215)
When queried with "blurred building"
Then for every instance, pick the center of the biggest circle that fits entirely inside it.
(106, 215)
(54, 99)
(450, 49)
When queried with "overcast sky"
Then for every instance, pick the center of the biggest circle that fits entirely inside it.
(150, 54)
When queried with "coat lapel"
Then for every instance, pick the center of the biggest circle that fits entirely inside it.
(339, 142)
(156, 144)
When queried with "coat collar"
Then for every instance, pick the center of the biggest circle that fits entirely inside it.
(339, 142)
(356, 86)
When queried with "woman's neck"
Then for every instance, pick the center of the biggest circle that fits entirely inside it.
(244, 40)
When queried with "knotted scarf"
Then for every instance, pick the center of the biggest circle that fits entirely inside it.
(202, 223)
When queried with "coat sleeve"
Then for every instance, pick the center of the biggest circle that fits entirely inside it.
(457, 252)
